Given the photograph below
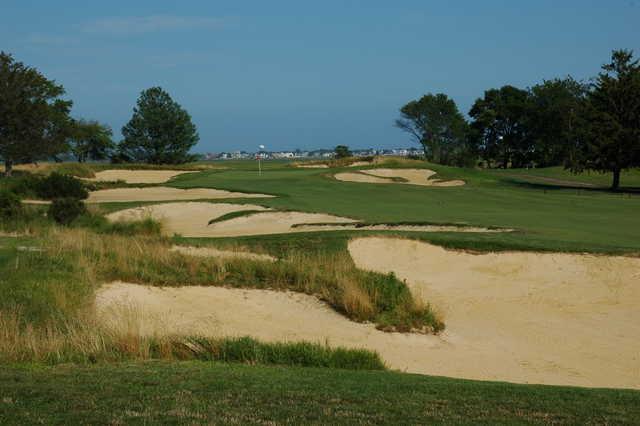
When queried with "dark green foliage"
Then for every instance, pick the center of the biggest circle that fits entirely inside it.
(34, 121)
(66, 210)
(499, 127)
(553, 119)
(160, 131)
(435, 122)
(91, 140)
(610, 129)
(57, 185)
(250, 351)
(342, 151)
(10, 205)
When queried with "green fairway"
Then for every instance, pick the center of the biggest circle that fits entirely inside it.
(206, 393)
(548, 216)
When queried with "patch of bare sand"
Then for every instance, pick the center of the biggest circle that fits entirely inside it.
(420, 177)
(409, 228)
(562, 319)
(163, 193)
(189, 219)
(270, 222)
(360, 163)
(268, 315)
(137, 176)
(224, 254)
(312, 166)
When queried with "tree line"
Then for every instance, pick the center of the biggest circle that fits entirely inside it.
(582, 126)
(36, 125)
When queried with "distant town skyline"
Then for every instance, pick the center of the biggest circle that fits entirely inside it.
(304, 75)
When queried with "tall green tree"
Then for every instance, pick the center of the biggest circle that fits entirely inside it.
(34, 120)
(159, 132)
(553, 119)
(500, 126)
(610, 138)
(342, 151)
(435, 122)
(91, 140)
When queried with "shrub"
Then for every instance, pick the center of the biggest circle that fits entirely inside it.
(57, 185)
(66, 210)
(75, 169)
(10, 205)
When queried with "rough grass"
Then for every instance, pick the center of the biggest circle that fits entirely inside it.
(233, 215)
(83, 340)
(331, 276)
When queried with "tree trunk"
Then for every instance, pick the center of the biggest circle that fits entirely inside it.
(8, 167)
(616, 179)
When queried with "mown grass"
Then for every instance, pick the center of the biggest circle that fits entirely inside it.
(215, 393)
(549, 217)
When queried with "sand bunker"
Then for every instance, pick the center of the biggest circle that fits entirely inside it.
(522, 317)
(192, 220)
(137, 176)
(411, 176)
(163, 193)
(312, 166)
(187, 219)
(360, 163)
(391, 227)
(222, 254)
(265, 314)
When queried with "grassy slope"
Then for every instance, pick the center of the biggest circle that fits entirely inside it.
(552, 218)
(203, 393)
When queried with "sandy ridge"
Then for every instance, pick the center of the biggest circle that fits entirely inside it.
(421, 177)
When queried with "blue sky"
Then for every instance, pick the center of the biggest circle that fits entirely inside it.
(303, 74)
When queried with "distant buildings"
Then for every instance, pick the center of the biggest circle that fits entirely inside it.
(314, 154)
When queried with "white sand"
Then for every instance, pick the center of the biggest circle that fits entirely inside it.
(162, 193)
(420, 177)
(137, 176)
(223, 254)
(522, 317)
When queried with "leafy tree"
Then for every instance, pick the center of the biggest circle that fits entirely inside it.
(610, 137)
(342, 151)
(159, 132)
(91, 141)
(500, 127)
(554, 108)
(34, 121)
(435, 122)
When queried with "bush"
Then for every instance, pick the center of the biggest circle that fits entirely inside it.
(10, 205)
(66, 210)
(57, 185)
(75, 169)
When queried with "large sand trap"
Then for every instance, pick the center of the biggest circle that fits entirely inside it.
(265, 314)
(411, 176)
(223, 254)
(192, 220)
(187, 219)
(137, 176)
(522, 317)
(163, 193)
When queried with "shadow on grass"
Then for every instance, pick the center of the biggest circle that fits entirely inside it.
(553, 185)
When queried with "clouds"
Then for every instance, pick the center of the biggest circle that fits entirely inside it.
(134, 25)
